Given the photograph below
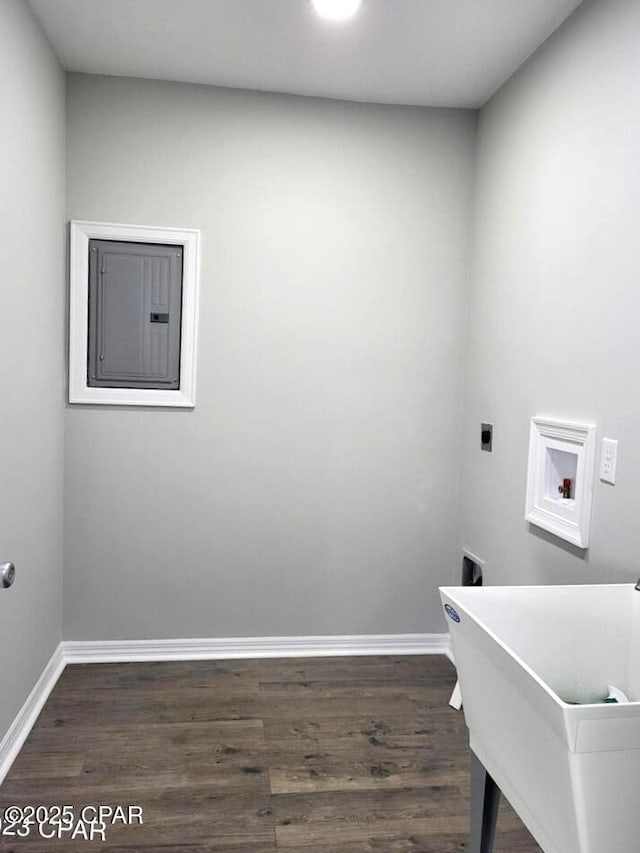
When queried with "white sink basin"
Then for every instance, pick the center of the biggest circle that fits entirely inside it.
(524, 654)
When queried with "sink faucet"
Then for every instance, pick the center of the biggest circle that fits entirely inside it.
(638, 585)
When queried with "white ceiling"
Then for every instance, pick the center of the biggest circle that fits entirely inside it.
(432, 52)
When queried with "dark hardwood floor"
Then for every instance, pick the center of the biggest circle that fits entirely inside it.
(356, 755)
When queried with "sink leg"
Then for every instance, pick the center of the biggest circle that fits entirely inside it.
(485, 799)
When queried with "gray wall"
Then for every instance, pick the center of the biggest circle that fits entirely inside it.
(32, 246)
(555, 304)
(313, 489)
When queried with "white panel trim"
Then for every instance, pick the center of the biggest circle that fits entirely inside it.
(81, 232)
(114, 651)
(18, 732)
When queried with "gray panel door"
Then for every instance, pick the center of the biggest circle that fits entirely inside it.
(135, 306)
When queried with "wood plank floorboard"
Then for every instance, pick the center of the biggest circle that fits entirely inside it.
(316, 755)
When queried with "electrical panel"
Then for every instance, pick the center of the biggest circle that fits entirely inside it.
(135, 306)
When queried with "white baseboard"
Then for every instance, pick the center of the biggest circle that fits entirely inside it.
(18, 732)
(449, 652)
(116, 651)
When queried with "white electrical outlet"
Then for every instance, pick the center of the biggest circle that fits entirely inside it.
(609, 460)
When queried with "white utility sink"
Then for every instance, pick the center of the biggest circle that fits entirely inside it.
(523, 655)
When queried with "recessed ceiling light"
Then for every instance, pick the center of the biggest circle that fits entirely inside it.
(336, 10)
